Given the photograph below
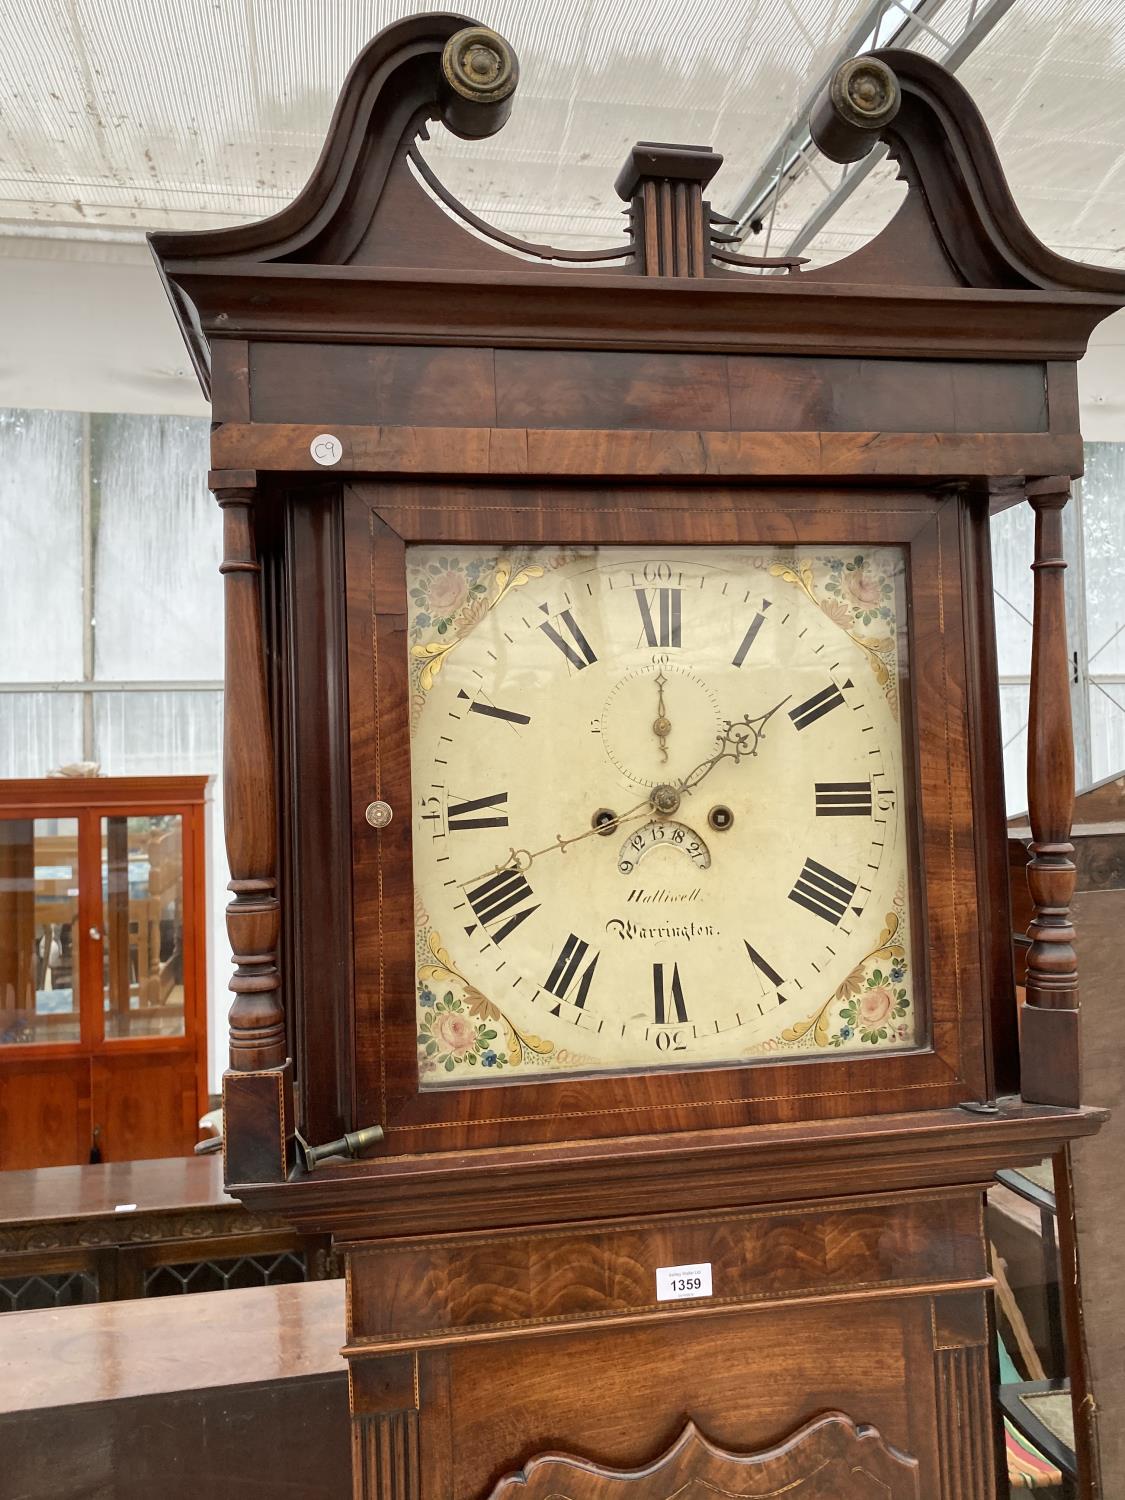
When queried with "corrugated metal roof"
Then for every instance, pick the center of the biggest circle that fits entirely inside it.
(144, 114)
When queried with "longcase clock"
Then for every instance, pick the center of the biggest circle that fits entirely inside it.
(614, 797)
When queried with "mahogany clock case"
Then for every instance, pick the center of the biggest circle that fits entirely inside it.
(503, 1241)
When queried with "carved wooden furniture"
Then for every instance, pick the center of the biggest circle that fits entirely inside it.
(71, 1235)
(221, 1394)
(103, 968)
(822, 1460)
(395, 383)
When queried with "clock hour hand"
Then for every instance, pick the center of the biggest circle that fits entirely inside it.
(738, 740)
(661, 725)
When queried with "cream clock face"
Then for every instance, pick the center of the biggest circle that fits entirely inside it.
(658, 807)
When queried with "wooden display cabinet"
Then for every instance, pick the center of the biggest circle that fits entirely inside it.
(701, 1219)
(103, 968)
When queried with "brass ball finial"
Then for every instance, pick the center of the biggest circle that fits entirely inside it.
(865, 92)
(479, 65)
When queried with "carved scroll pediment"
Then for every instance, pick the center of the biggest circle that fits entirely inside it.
(374, 216)
(937, 135)
(829, 1458)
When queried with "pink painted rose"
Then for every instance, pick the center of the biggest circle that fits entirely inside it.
(447, 591)
(862, 587)
(454, 1032)
(902, 1031)
(875, 1006)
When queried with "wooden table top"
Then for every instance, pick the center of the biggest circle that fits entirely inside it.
(115, 1350)
(173, 1184)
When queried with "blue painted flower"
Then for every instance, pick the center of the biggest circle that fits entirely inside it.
(846, 1032)
(898, 972)
(488, 1059)
(426, 995)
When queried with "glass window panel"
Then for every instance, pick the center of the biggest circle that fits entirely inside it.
(159, 733)
(143, 925)
(1107, 728)
(39, 732)
(1013, 547)
(157, 587)
(1014, 700)
(38, 931)
(1103, 517)
(41, 559)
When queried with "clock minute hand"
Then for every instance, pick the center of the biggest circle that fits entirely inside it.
(523, 859)
(740, 739)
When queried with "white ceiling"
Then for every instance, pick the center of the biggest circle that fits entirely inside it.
(118, 116)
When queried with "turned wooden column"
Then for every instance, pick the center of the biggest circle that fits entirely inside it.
(1049, 1039)
(257, 1019)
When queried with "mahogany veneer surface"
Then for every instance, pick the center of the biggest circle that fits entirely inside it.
(240, 1394)
(167, 1185)
(117, 1350)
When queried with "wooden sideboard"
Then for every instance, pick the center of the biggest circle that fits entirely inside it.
(235, 1393)
(72, 1235)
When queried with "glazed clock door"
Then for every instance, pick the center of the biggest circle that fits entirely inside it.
(671, 828)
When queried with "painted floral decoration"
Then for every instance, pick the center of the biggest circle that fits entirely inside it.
(449, 1035)
(464, 1028)
(857, 594)
(861, 588)
(450, 595)
(870, 1004)
(876, 1010)
(441, 586)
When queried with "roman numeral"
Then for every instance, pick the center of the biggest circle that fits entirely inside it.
(748, 639)
(843, 799)
(561, 979)
(492, 712)
(822, 891)
(577, 649)
(494, 899)
(767, 969)
(664, 628)
(673, 993)
(818, 705)
(459, 815)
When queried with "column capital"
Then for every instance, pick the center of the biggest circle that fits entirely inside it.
(227, 484)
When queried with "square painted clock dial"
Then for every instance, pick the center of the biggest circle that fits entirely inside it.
(659, 807)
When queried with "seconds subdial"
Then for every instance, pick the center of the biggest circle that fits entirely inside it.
(641, 751)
